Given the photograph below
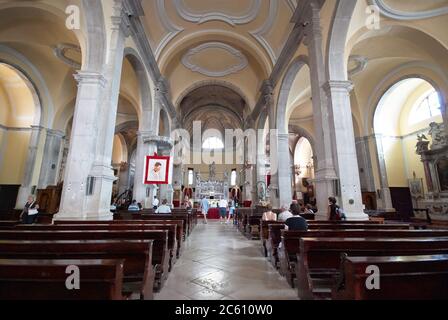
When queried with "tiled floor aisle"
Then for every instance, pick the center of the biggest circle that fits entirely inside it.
(218, 263)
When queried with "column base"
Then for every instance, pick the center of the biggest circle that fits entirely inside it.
(95, 216)
(22, 197)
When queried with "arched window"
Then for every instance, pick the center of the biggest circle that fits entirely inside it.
(190, 177)
(213, 143)
(427, 108)
(233, 177)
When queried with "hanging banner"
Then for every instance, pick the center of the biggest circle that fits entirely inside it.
(157, 170)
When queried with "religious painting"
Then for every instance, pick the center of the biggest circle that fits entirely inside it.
(416, 188)
(442, 171)
(157, 170)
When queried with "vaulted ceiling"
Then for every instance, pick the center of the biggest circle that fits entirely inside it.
(236, 41)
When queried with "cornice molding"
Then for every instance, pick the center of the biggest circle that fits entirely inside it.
(243, 62)
(188, 14)
(395, 14)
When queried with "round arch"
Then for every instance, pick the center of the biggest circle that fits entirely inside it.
(285, 90)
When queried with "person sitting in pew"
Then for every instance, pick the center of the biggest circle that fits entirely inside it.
(295, 207)
(309, 209)
(285, 214)
(164, 208)
(269, 215)
(134, 206)
(296, 223)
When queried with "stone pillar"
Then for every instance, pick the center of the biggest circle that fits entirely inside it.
(284, 169)
(386, 199)
(51, 159)
(345, 149)
(325, 172)
(143, 193)
(102, 172)
(25, 188)
(167, 190)
(81, 156)
(365, 164)
(260, 175)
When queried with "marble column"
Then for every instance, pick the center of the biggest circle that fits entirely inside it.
(325, 171)
(81, 155)
(167, 190)
(284, 170)
(345, 149)
(260, 175)
(143, 193)
(26, 187)
(102, 172)
(52, 154)
(386, 199)
(365, 164)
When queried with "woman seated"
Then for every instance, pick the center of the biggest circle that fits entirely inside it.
(269, 215)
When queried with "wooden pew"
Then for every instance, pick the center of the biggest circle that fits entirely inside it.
(290, 243)
(319, 260)
(275, 233)
(400, 278)
(264, 234)
(137, 255)
(9, 223)
(45, 279)
(160, 253)
(171, 228)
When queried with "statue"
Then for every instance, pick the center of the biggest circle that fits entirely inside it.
(422, 144)
(212, 169)
(439, 137)
(261, 191)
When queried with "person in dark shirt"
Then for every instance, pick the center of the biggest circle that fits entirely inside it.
(296, 223)
(295, 207)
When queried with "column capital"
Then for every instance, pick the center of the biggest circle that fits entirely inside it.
(120, 18)
(92, 78)
(337, 85)
(55, 133)
(160, 141)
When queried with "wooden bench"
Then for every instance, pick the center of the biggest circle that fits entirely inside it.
(160, 253)
(264, 234)
(401, 277)
(9, 223)
(137, 255)
(318, 263)
(46, 279)
(173, 246)
(290, 243)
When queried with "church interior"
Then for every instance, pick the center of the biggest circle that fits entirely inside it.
(271, 105)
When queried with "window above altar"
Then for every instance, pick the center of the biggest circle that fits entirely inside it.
(426, 108)
(213, 143)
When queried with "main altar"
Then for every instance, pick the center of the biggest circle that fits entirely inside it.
(212, 189)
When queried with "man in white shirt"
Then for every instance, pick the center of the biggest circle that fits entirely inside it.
(164, 208)
(222, 210)
(285, 214)
(155, 203)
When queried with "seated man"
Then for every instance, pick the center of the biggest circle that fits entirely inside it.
(296, 223)
(164, 208)
(295, 207)
(134, 206)
(269, 215)
(285, 214)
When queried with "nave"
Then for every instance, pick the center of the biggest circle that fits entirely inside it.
(219, 263)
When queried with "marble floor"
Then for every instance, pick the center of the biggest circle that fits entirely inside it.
(219, 263)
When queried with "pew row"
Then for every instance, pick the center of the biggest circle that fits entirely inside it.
(46, 279)
(290, 243)
(160, 253)
(138, 270)
(319, 261)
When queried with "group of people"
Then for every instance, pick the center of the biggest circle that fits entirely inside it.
(292, 216)
(223, 206)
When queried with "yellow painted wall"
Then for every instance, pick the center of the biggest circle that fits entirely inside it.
(14, 158)
(4, 106)
(395, 160)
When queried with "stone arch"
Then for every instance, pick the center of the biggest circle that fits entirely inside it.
(285, 90)
(145, 88)
(336, 64)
